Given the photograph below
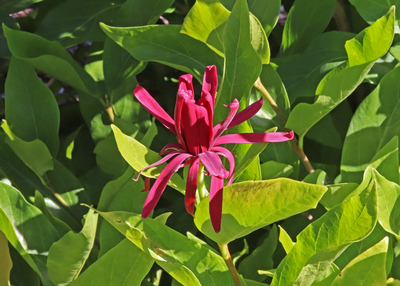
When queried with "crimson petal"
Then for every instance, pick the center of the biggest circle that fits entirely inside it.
(227, 154)
(154, 108)
(191, 185)
(213, 164)
(163, 160)
(246, 113)
(216, 202)
(159, 186)
(255, 137)
(222, 126)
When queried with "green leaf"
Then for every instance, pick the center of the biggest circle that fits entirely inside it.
(273, 170)
(27, 97)
(366, 269)
(242, 64)
(266, 117)
(34, 154)
(320, 243)
(11, 23)
(73, 21)
(337, 193)
(375, 121)
(248, 206)
(206, 22)
(5, 262)
(388, 204)
(183, 258)
(115, 267)
(21, 272)
(49, 57)
(301, 75)
(374, 9)
(143, 157)
(22, 224)
(164, 44)
(68, 255)
(340, 82)
(306, 20)
(108, 158)
(68, 188)
(260, 257)
(285, 240)
(61, 227)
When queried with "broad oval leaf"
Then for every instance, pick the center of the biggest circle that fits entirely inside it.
(166, 45)
(68, 255)
(178, 254)
(320, 243)
(362, 51)
(115, 267)
(375, 122)
(366, 269)
(27, 97)
(250, 205)
(51, 58)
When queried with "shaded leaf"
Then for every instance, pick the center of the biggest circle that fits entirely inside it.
(285, 240)
(68, 255)
(5, 261)
(125, 262)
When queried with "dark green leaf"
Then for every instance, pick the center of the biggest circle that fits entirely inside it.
(27, 97)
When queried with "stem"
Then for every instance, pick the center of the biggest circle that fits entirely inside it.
(228, 260)
(295, 144)
(341, 17)
(202, 190)
(110, 113)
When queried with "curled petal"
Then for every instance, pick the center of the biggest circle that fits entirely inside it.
(216, 202)
(186, 85)
(255, 137)
(171, 147)
(246, 113)
(154, 108)
(163, 160)
(146, 184)
(227, 154)
(213, 164)
(221, 127)
(191, 184)
(210, 83)
(161, 182)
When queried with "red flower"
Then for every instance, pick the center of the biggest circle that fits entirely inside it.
(199, 142)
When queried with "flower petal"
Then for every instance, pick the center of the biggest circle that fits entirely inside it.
(171, 147)
(159, 186)
(227, 154)
(154, 108)
(246, 113)
(191, 184)
(163, 160)
(210, 82)
(255, 137)
(216, 202)
(222, 126)
(213, 164)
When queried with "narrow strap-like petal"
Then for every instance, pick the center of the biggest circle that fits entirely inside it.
(191, 184)
(180, 100)
(159, 186)
(154, 108)
(146, 184)
(163, 160)
(255, 137)
(246, 113)
(213, 164)
(216, 202)
(171, 147)
(227, 154)
(222, 126)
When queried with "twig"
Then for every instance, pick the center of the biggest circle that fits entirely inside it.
(228, 260)
(340, 17)
(295, 144)
(110, 112)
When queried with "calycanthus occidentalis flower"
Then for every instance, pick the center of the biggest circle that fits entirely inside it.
(199, 142)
